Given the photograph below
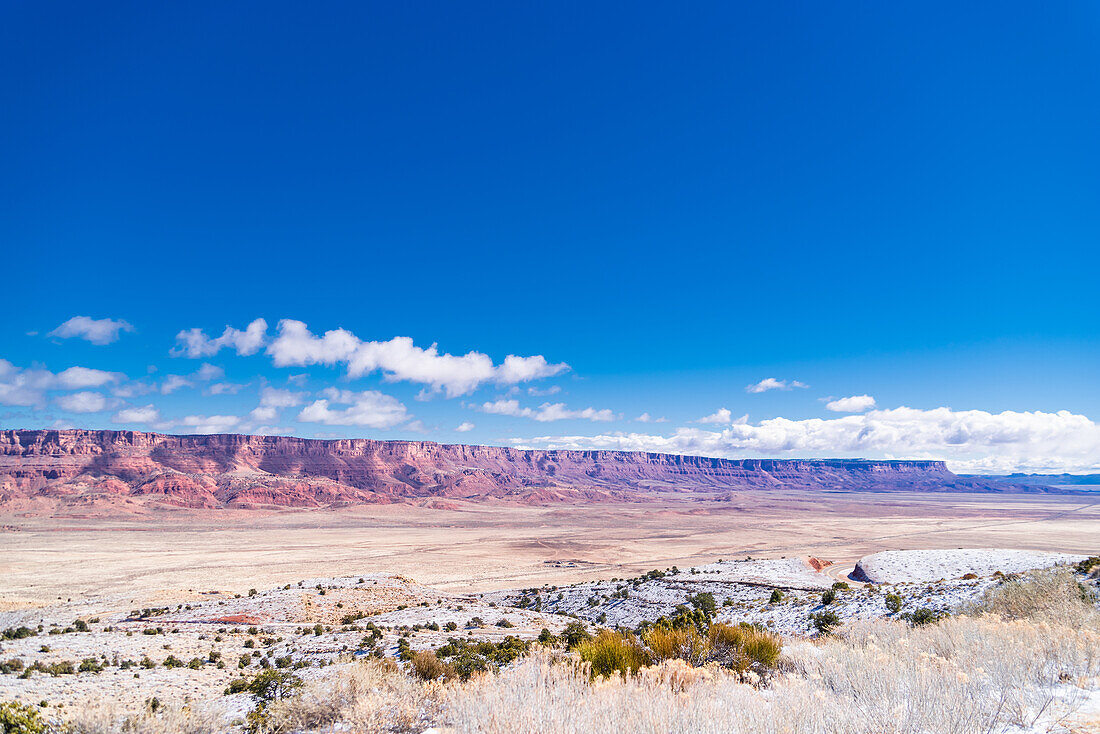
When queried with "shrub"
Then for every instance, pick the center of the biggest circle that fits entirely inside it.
(574, 634)
(704, 601)
(1088, 564)
(776, 597)
(969, 576)
(80, 625)
(744, 648)
(90, 665)
(666, 643)
(467, 657)
(20, 718)
(612, 652)
(893, 603)
(18, 633)
(923, 616)
(828, 596)
(427, 666)
(272, 685)
(841, 585)
(825, 622)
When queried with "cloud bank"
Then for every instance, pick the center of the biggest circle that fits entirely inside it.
(972, 441)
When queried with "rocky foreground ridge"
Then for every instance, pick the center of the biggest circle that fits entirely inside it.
(229, 470)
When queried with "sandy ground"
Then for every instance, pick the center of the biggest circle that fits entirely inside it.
(173, 554)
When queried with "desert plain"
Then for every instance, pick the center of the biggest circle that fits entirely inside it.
(163, 553)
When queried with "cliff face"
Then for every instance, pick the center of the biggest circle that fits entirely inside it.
(80, 466)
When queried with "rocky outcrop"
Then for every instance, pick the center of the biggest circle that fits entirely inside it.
(252, 471)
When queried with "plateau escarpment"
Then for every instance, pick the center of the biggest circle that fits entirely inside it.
(230, 470)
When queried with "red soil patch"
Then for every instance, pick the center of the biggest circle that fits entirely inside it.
(818, 563)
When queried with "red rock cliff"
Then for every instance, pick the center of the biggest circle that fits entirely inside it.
(243, 471)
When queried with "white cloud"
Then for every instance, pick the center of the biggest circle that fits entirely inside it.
(465, 426)
(647, 418)
(144, 414)
(723, 415)
(75, 378)
(205, 373)
(208, 372)
(540, 393)
(970, 441)
(82, 402)
(853, 404)
(28, 387)
(367, 408)
(171, 383)
(400, 359)
(546, 412)
(272, 399)
(209, 423)
(771, 383)
(225, 388)
(195, 343)
(96, 331)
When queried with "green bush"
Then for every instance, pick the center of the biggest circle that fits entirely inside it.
(776, 597)
(841, 585)
(574, 634)
(923, 616)
(828, 597)
(467, 657)
(20, 718)
(704, 601)
(825, 622)
(893, 603)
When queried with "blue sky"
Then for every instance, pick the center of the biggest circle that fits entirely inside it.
(896, 201)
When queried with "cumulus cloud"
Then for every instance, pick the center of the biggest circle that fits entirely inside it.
(143, 414)
(400, 359)
(82, 402)
(75, 378)
(970, 441)
(28, 387)
(273, 399)
(195, 343)
(853, 404)
(647, 418)
(205, 373)
(368, 408)
(771, 383)
(96, 331)
(465, 426)
(541, 393)
(546, 412)
(722, 415)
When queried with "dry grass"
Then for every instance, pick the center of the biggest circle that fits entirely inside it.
(108, 719)
(1025, 668)
(369, 697)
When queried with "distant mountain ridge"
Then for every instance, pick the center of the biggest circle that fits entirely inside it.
(230, 470)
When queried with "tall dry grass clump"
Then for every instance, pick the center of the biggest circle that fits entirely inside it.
(106, 718)
(370, 697)
(1052, 593)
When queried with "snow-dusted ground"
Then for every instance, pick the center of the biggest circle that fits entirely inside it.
(282, 623)
(896, 567)
(788, 573)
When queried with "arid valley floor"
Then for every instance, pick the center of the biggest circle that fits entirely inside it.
(477, 547)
